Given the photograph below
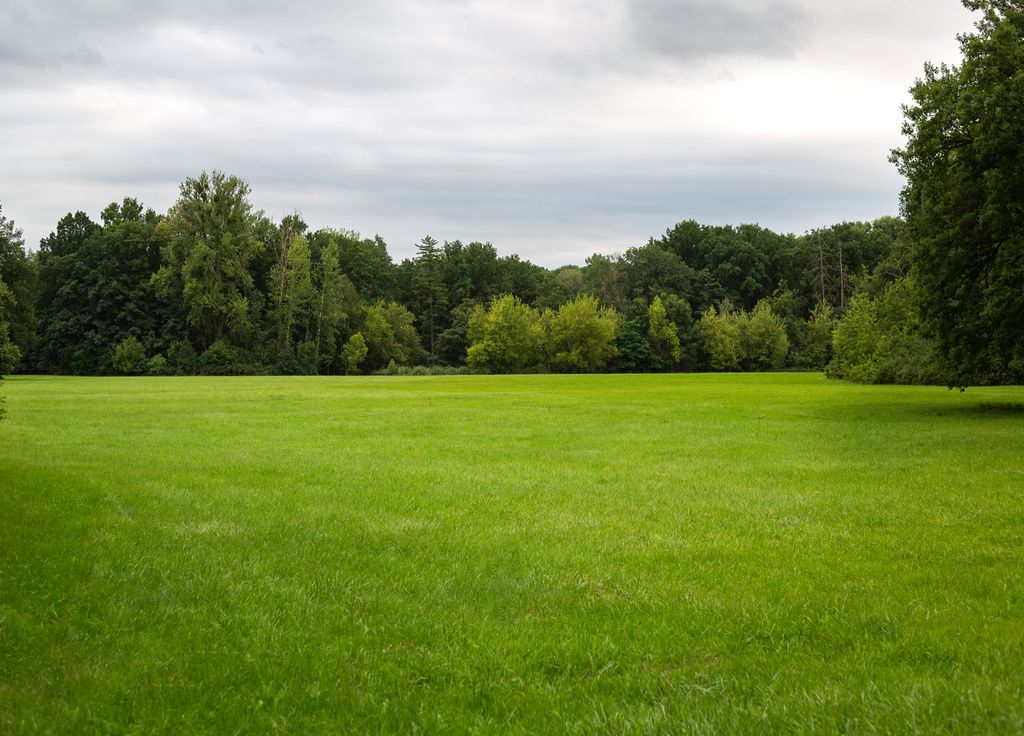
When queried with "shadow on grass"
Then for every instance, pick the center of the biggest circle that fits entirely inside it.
(980, 410)
(998, 407)
(913, 411)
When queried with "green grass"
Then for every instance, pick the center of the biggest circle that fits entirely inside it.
(532, 554)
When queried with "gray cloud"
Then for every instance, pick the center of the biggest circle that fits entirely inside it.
(551, 129)
(690, 30)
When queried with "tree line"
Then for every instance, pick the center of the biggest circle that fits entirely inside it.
(214, 286)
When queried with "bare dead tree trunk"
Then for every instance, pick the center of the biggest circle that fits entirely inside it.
(842, 279)
(821, 271)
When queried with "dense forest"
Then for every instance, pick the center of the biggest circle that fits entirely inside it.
(214, 287)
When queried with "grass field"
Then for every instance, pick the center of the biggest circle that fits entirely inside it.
(535, 554)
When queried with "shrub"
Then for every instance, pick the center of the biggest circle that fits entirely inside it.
(130, 357)
(224, 359)
(423, 370)
(158, 366)
(354, 352)
(182, 358)
(880, 340)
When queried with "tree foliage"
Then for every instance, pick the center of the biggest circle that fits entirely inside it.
(505, 338)
(763, 340)
(964, 168)
(210, 244)
(95, 288)
(663, 335)
(881, 340)
(129, 357)
(581, 335)
(9, 352)
(216, 287)
(389, 331)
(354, 352)
(430, 290)
(721, 339)
(18, 273)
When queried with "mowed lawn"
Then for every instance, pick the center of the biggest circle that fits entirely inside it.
(533, 554)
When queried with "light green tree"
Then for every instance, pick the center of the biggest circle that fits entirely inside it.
(881, 340)
(663, 335)
(130, 357)
(816, 349)
(763, 340)
(581, 335)
(294, 288)
(506, 337)
(390, 334)
(354, 352)
(720, 336)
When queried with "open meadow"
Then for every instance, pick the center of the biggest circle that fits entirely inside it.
(534, 554)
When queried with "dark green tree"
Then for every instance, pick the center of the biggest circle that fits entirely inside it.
(95, 289)
(602, 277)
(336, 304)
(453, 343)
(211, 243)
(364, 261)
(964, 168)
(430, 290)
(633, 351)
(18, 272)
(9, 352)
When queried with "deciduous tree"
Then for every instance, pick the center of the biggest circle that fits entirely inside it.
(506, 337)
(581, 335)
(964, 168)
(662, 335)
(210, 245)
(720, 336)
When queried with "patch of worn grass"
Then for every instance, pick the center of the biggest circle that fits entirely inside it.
(596, 554)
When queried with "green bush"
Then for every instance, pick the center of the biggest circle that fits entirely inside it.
(182, 358)
(130, 357)
(393, 369)
(880, 340)
(158, 366)
(354, 352)
(224, 359)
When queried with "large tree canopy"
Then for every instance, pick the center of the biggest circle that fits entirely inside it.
(964, 197)
(211, 242)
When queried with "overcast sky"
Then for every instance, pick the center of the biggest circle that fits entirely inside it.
(551, 129)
